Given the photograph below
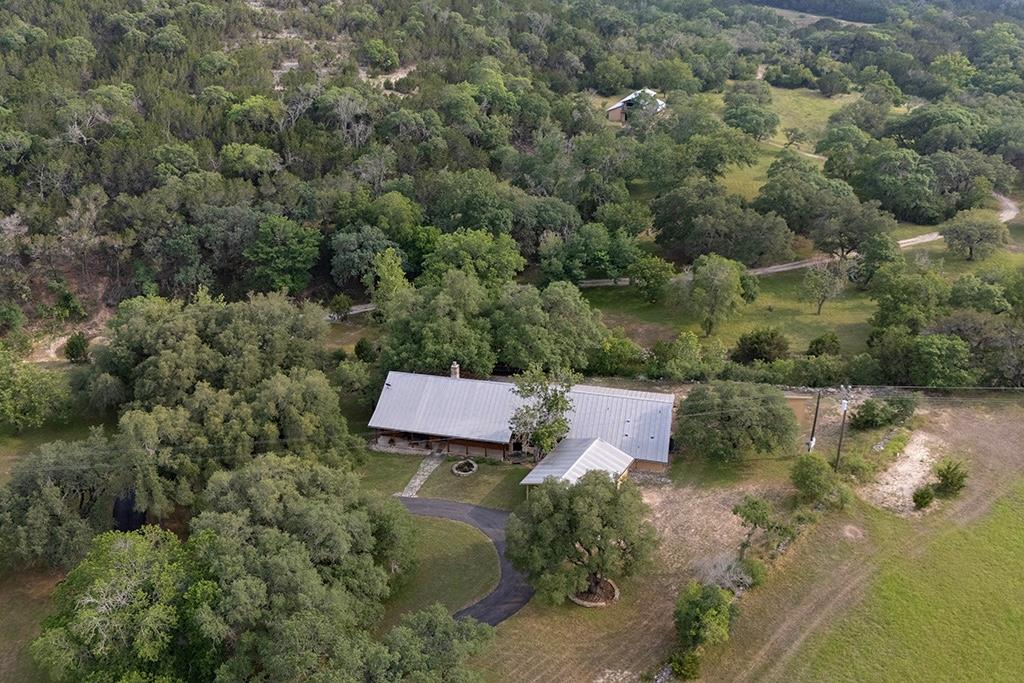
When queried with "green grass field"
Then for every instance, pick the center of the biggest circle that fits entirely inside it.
(493, 485)
(952, 612)
(344, 334)
(807, 110)
(747, 180)
(458, 565)
(800, 108)
(388, 473)
(953, 265)
(13, 446)
(703, 473)
(778, 305)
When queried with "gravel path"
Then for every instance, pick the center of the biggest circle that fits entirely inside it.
(426, 468)
(512, 592)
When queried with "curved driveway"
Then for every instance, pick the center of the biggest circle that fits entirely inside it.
(512, 591)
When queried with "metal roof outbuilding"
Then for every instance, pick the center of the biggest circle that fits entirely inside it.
(572, 458)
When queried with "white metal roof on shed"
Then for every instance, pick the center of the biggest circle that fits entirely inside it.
(633, 95)
(572, 458)
(636, 422)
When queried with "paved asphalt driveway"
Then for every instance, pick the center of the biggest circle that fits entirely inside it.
(512, 591)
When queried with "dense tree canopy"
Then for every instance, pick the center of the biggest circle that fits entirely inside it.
(729, 421)
(568, 538)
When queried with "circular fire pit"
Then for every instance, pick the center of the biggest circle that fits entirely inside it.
(464, 468)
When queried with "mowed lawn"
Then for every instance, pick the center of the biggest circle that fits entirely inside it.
(387, 473)
(807, 110)
(953, 612)
(345, 333)
(777, 305)
(800, 108)
(746, 181)
(15, 445)
(493, 485)
(457, 565)
(1003, 262)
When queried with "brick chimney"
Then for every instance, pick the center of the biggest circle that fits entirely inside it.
(455, 369)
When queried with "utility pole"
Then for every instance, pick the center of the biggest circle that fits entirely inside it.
(814, 425)
(844, 405)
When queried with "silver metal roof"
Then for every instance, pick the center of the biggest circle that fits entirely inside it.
(636, 422)
(633, 95)
(572, 458)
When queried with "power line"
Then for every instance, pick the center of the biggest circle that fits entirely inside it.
(172, 450)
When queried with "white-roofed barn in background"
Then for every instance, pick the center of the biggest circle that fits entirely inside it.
(645, 96)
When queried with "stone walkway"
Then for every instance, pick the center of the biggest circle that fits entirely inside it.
(426, 468)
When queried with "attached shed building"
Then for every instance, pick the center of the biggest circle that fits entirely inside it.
(572, 458)
(471, 417)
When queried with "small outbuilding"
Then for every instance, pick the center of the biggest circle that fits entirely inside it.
(619, 111)
(572, 458)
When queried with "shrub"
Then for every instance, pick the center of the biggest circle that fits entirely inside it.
(812, 476)
(923, 497)
(686, 665)
(857, 467)
(825, 345)
(365, 350)
(816, 371)
(875, 413)
(864, 369)
(814, 479)
(339, 305)
(902, 407)
(871, 413)
(76, 349)
(952, 476)
(703, 615)
(765, 344)
(755, 569)
(66, 305)
(379, 55)
(804, 517)
(617, 356)
(650, 276)
(11, 318)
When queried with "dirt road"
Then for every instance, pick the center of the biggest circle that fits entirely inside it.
(1008, 210)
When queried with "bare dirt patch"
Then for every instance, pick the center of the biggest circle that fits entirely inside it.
(829, 570)
(634, 635)
(988, 437)
(50, 349)
(894, 488)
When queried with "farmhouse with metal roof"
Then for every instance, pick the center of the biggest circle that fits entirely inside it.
(471, 417)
